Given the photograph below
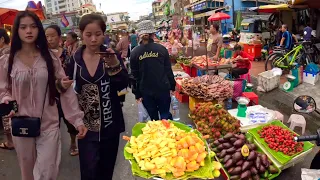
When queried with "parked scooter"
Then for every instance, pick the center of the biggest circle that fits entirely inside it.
(306, 105)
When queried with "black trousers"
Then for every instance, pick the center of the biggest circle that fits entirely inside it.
(97, 159)
(71, 129)
(236, 72)
(158, 103)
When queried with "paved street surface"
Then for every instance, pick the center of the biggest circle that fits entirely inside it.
(69, 169)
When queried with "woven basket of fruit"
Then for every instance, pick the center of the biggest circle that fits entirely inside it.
(169, 150)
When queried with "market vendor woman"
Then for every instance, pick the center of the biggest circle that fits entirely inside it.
(214, 42)
(241, 62)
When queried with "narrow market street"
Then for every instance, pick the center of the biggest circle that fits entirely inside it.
(69, 168)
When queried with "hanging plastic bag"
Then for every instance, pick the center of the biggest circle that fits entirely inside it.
(310, 174)
(143, 114)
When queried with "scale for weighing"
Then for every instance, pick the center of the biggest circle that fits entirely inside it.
(249, 87)
(242, 106)
(288, 86)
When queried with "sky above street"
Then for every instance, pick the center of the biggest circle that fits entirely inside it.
(135, 8)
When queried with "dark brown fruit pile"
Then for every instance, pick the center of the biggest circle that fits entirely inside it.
(241, 163)
(211, 119)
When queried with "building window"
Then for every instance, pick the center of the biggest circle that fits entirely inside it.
(56, 9)
(49, 5)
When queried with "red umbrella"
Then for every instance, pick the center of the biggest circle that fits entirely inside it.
(7, 15)
(218, 16)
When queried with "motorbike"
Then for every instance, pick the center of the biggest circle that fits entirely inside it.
(306, 105)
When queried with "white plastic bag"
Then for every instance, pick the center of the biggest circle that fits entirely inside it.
(143, 114)
(310, 174)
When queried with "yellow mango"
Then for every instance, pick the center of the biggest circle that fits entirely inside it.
(184, 153)
(158, 171)
(201, 157)
(173, 161)
(192, 157)
(174, 152)
(200, 148)
(178, 174)
(190, 141)
(180, 163)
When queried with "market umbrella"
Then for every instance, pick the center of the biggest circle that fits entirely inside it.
(218, 16)
(274, 8)
(7, 16)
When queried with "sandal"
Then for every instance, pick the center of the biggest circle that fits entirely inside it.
(73, 151)
(4, 146)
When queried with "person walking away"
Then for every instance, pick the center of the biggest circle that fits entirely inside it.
(214, 42)
(123, 47)
(151, 69)
(241, 63)
(72, 43)
(53, 34)
(307, 33)
(133, 39)
(5, 49)
(97, 79)
(287, 38)
(29, 75)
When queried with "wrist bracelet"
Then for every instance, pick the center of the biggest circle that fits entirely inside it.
(114, 71)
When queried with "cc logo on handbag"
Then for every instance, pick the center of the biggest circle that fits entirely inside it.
(24, 131)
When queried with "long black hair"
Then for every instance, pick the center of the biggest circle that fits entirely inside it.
(41, 44)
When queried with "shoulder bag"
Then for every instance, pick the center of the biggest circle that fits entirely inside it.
(25, 126)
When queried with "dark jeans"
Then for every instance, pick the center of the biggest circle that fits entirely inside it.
(236, 72)
(158, 103)
(71, 129)
(97, 159)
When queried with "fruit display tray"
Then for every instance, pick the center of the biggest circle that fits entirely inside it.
(280, 157)
(204, 172)
(226, 176)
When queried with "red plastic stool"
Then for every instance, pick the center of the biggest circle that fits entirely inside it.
(254, 99)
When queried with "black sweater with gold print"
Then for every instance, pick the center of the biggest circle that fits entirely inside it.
(151, 68)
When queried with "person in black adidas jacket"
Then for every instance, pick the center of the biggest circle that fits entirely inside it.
(151, 69)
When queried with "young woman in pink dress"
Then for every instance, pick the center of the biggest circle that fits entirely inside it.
(30, 75)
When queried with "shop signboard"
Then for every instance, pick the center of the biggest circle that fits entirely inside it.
(199, 7)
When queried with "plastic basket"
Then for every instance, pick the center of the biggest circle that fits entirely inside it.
(267, 81)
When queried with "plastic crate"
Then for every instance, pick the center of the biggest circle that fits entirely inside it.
(193, 72)
(187, 69)
(268, 81)
(253, 50)
(178, 86)
(182, 98)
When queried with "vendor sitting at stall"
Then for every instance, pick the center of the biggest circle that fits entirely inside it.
(241, 62)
